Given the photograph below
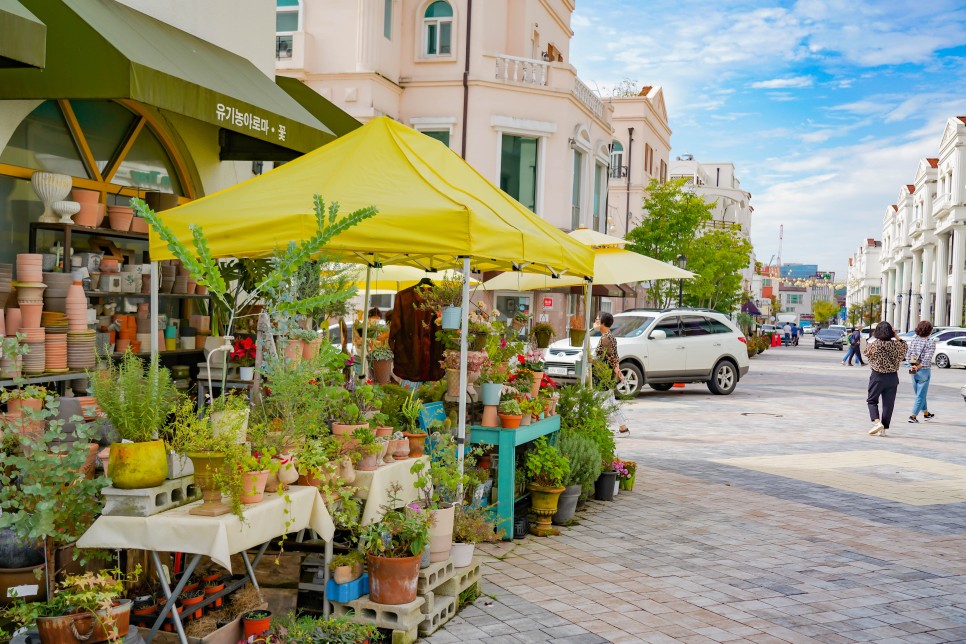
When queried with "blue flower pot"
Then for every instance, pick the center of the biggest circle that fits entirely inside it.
(451, 317)
(491, 393)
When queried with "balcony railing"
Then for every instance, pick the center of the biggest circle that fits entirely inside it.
(512, 69)
(590, 100)
(283, 47)
(942, 203)
(618, 171)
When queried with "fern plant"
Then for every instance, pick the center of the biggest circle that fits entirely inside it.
(137, 400)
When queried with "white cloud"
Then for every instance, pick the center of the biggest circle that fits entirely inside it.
(791, 82)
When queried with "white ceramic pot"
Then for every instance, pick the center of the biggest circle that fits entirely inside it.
(66, 209)
(50, 187)
(231, 422)
(462, 554)
(246, 373)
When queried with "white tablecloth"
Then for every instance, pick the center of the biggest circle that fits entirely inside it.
(374, 487)
(216, 537)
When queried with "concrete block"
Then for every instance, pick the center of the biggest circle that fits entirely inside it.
(402, 617)
(146, 502)
(463, 579)
(405, 637)
(434, 575)
(443, 610)
(430, 604)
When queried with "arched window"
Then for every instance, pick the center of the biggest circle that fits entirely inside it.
(616, 160)
(288, 21)
(438, 29)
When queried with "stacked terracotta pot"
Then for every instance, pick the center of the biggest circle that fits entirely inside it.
(169, 273)
(127, 335)
(35, 361)
(6, 286)
(120, 217)
(55, 349)
(91, 213)
(76, 307)
(80, 350)
(55, 296)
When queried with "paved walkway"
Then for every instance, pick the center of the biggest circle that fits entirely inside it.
(768, 515)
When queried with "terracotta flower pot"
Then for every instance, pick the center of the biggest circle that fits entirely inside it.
(253, 486)
(537, 379)
(401, 452)
(138, 465)
(346, 574)
(120, 220)
(85, 627)
(417, 443)
(368, 463)
(392, 580)
(381, 371)
(311, 348)
(510, 421)
(342, 429)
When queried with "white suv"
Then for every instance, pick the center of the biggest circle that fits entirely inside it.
(660, 348)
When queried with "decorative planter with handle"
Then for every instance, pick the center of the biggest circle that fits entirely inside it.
(80, 628)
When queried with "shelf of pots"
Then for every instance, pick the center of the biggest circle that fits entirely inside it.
(85, 608)
(547, 469)
(49, 494)
(393, 547)
(137, 399)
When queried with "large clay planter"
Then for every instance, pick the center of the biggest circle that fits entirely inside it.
(543, 501)
(342, 429)
(84, 627)
(383, 431)
(23, 578)
(392, 580)
(253, 486)
(311, 348)
(441, 534)
(381, 371)
(462, 554)
(17, 404)
(208, 465)
(401, 452)
(567, 505)
(369, 462)
(132, 466)
(291, 349)
(417, 443)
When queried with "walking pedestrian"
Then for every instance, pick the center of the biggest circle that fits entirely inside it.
(885, 355)
(794, 334)
(787, 332)
(919, 357)
(606, 353)
(855, 347)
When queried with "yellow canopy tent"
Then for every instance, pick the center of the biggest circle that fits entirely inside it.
(435, 211)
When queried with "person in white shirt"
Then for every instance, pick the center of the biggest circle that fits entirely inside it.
(787, 332)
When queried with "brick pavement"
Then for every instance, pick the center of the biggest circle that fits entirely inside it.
(766, 516)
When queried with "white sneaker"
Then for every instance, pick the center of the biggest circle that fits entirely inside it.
(877, 428)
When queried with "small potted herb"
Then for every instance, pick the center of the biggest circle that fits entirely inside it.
(367, 449)
(510, 414)
(347, 567)
(382, 357)
(471, 525)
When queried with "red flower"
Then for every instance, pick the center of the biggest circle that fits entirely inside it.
(521, 359)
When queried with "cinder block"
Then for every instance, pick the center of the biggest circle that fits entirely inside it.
(405, 637)
(146, 502)
(430, 604)
(402, 617)
(434, 575)
(443, 611)
(463, 579)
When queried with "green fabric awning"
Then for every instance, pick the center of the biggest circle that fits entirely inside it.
(23, 36)
(101, 49)
(333, 116)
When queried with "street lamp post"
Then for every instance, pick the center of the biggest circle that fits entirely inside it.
(898, 309)
(908, 308)
(682, 263)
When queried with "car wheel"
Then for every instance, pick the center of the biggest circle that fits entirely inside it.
(816, 345)
(633, 379)
(724, 378)
(841, 348)
(661, 386)
(942, 361)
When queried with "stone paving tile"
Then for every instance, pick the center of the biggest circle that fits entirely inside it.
(706, 549)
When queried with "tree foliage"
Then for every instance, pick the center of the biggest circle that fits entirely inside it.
(674, 217)
(717, 257)
(871, 308)
(824, 310)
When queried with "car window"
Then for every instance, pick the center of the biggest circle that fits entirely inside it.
(630, 326)
(335, 334)
(717, 326)
(694, 325)
(957, 343)
(670, 326)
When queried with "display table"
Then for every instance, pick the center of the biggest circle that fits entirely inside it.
(216, 537)
(374, 487)
(507, 440)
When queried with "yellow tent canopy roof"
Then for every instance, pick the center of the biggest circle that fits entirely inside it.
(434, 208)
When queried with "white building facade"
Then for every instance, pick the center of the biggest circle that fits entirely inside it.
(865, 273)
(924, 239)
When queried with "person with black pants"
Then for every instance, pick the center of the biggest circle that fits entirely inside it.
(884, 354)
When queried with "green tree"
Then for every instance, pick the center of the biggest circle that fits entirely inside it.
(717, 258)
(871, 308)
(855, 314)
(824, 310)
(674, 217)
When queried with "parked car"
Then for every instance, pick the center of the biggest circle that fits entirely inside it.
(660, 348)
(946, 334)
(808, 329)
(830, 339)
(950, 353)
(769, 328)
(839, 327)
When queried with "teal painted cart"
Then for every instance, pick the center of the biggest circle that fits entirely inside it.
(507, 440)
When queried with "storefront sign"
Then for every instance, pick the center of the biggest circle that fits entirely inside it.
(548, 302)
(247, 119)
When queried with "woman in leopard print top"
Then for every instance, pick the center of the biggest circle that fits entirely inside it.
(885, 355)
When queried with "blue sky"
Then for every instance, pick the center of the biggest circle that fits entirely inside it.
(824, 106)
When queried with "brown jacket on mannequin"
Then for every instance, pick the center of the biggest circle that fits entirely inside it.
(412, 339)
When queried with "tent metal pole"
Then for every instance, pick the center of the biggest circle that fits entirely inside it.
(464, 336)
(365, 323)
(588, 290)
(155, 270)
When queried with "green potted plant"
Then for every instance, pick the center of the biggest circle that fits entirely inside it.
(194, 437)
(382, 357)
(230, 414)
(244, 356)
(256, 467)
(411, 409)
(472, 525)
(137, 400)
(84, 608)
(255, 624)
(585, 465)
(530, 408)
(366, 449)
(32, 396)
(393, 547)
(305, 629)
(543, 333)
(510, 414)
(347, 567)
(318, 460)
(438, 485)
(520, 320)
(547, 470)
(445, 295)
(585, 410)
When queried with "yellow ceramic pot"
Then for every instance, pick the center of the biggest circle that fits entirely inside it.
(133, 466)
